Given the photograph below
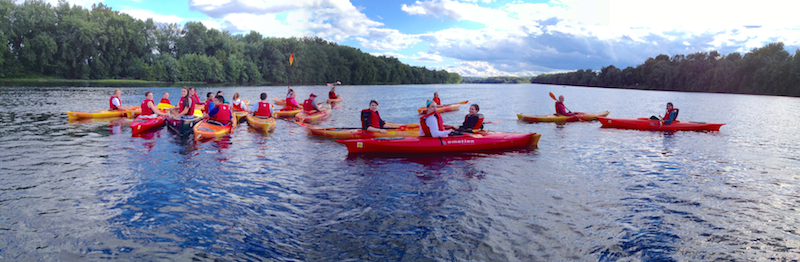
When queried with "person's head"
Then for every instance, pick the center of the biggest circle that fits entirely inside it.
(184, 91)
(117, 92)
(293, 94)
(219, 99)
(373, 105)
(473, 109)
(263, 96)
(669, 106)
(435, 94)
(561, 98)
(148, 95)
(312, 96)
(166, 95)
(431, 106)
(210, 96)
(235, 96)
(219, 93)
(192, 91)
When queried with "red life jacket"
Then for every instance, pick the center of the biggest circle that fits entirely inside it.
(560, 108)
(196, 99)
(479, 125)
(238, 107)
(180, 106)
(111, 104)
(264, 109)
(331, 95)
(374, 119)
(666, 116)
(146, 111)
(424, 126)
(291, 104)
(308, 105)
(165, 101)
(223, 114)
(437, 100)
(207, 104)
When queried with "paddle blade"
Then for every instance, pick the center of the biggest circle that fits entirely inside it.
(291, 59)
(553, 96)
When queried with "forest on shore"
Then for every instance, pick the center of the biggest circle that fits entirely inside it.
(495, 80)
(769, 70)
(70, 42)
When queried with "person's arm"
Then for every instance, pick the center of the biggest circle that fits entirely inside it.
(316, 107)
(253, 109)
(365, 120)
(469, 123)
(116, 102)
(155, 109)
(433, 124)
(213, 112)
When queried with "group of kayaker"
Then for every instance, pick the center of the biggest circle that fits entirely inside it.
(670, 116)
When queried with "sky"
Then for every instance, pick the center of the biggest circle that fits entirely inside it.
(481, 38)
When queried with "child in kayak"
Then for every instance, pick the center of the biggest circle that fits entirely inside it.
(561, 110)
(185, 105)
(291, 102)
(471, 121)
(670, 116)
(221, 113)
(436, 99)
(309, 106)
(149, 109)
(209, 102)
(219, 93)
(332, 93)
(165, 98)
(193, 96)
(237, 104)
(371, 119)
(430, 125)
(262, 108)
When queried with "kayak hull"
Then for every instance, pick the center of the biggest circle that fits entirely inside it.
(444, 108)
(105, 114)
(555, 118)
(183, 125)
(205, 130)
(279, 101)
(240, 116)
(357, 133)
(141, 125)
(289, 113)
(163, 106)
(265, 124)
(426, 145)
(656, 125)
(337, 100)
(313, 118)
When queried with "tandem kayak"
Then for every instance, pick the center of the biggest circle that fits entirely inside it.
(358, 133)
(141, 124)
(444, 108)
(289, 113)
(265, 124)
(556, 118)
(104, 113)
(462, 143)
(205, 130)
(649, 124)
(183, 125)
(313, 118)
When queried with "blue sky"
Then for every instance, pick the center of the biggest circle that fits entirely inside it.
(492, 38)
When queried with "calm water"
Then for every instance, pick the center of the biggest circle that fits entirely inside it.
(90, 191)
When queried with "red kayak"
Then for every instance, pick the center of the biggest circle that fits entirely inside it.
(463, 143)
(649, 124)
(141, 124)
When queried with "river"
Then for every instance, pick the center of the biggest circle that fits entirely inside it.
(90, 191)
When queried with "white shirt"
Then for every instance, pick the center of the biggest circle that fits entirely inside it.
(116, 102)
(433, 124)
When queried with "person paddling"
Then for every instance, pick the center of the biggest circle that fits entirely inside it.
(291, 102)
(165, 98)
(185, 105)
(237, 104)
(115, 103)
(332, 94)
(561, 110)
(149, 109)
(431, 125)
(263, 108)
(309, 106)
(209, 104)
(436, 99)
(670, 116)
(371, 119)
(471, 121)
(221, 112)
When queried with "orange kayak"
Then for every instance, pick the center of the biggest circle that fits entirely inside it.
(290, 113)
(312, 118)
(444, 108)
(358, 133)
(205, 130)
(265, 124)
(337, 100)
(559, 118)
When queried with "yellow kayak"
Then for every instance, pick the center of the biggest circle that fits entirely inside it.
(290, 113)
(135, 111)
(555, 118)
(163, 106)
(266, 124)
(240, 116)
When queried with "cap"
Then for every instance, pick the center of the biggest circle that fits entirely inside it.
(429, 103)
(312, 94)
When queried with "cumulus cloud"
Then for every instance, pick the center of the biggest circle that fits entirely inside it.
(145, 14)
(429, 58)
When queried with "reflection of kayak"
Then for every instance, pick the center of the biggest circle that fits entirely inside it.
(462, 143)
(102, 113)
(290, 113)
(141, 124)
(444, 108)
(358, 133)
(266, 124)
(240, 116)
(648, 124)
(337, 100)
(183, 125)
(205, 130)
(279, 101)
(555, 118)
(315, 117)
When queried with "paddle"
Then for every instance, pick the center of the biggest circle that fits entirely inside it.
(576, 116)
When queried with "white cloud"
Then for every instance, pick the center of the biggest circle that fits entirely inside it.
(145, 14)
(429, 58)
(387, 39)
(389, 54)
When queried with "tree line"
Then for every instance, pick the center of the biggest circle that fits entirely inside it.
(769, 70)
(71, 42)
(495, 80)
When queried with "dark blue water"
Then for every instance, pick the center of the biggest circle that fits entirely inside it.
(91, 191)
